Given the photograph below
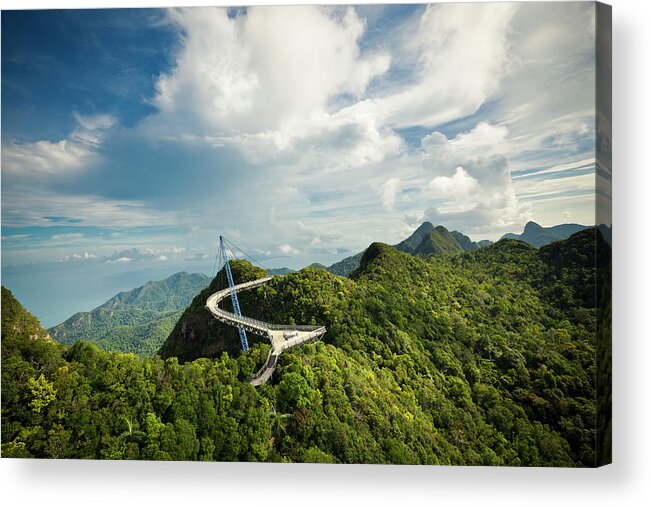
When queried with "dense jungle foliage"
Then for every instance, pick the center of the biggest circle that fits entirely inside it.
(482, 358)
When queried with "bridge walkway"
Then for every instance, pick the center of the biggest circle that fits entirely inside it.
(282, 337)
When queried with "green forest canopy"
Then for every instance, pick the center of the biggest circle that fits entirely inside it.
(482, 358)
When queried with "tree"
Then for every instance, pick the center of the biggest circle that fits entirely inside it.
(43, 393)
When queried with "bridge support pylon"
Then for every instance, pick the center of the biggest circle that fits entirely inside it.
(234, 299)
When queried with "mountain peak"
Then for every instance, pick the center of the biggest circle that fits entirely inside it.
(425, 227)
(409, 244)
(532, 227)
(374, 250)
(437, 242)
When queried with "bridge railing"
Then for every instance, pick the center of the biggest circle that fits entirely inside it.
(314, 335)
(242, 320)
(260, 323)
(292, 327)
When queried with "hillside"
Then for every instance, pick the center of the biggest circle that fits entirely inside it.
(538, 236)
(464, 359)
(411, 243)
(437, 242)
(135, 321)
(467, 244)
(16, 321)
(347, 265)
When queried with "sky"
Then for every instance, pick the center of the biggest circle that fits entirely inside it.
(131, 139)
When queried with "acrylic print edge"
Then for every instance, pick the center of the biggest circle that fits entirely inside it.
(603, 220)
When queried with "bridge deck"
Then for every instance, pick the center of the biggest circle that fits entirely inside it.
(282, 337)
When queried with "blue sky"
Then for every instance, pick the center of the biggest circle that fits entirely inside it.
(132, 138)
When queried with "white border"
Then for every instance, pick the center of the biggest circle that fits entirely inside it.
(626, 482)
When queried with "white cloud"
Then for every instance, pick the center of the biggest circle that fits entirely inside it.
(10, 237)
(388, 193)
(56, 157)
(267, 69)
(97, 122)
(460, 185)
(23, 206)
(265, 82)
(211, 80)
(145, 254)
(348, 138)
(71, 236)
(463, 54)
(78, 257)
(588, 163)
(119, 260)
(287, 249)
(537, 188)
(472, 181)
(133, 254)
(480, 196)
(483, 140)
(543, 117)
(316, 235)
(44, 157)
(548, 102)
(412, 219)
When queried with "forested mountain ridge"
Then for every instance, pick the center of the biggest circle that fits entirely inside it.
(533, 234)
(467, 244)
(171, 293)
(425, 240)
(135, 321)
(538, 235)
(464, 359)
(411, 243)
(345, 266)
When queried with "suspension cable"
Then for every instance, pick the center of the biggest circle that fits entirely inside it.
(244, 253)
(222, 257)
(217, 262)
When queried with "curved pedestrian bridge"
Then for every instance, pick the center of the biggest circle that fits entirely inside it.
(282, 337)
